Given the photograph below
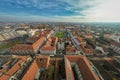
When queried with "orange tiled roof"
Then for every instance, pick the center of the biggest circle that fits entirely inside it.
(84, 67)
(87, 49)
(48, 46)
(30, 74)
(38, 42)
(45, 33)
(42, 61)
(4, 77)
(70, 49)
(79, 39)
(28, 47)
(14, 68)
(69, 72)
(11, 71)
(21, 47)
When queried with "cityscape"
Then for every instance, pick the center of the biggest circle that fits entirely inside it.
(50, 40)
(60, 52)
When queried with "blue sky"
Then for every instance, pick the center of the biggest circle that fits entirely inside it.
(60, 10)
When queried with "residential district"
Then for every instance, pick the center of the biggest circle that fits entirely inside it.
(59, 51)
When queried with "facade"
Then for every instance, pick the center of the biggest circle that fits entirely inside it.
(23, 49)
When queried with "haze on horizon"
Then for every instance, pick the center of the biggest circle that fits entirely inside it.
(60, 10)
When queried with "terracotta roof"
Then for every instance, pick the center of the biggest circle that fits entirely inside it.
(30, 74)
(79, 39)
(84, 67)
(86, 48)
(42, 61)
(70, 49)
(21, 47)
(39, 62)
(69, 72)
(14, 68)
(48, 46)
(27, 47)
(38, 42)
(11, 71)
(4, 77)
(45, 33)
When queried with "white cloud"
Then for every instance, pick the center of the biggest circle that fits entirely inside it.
(93, 10)
(102, 11)
(107, 11)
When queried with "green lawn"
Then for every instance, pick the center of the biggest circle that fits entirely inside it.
(9, 44)
(59, 34)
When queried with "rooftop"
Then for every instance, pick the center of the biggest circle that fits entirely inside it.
(84, 66)
(32, 39)
(48, 45)
(10, 71)
(22, 47)
(38, 42)
(30, 74)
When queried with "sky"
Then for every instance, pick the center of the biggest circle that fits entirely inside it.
(60, 10)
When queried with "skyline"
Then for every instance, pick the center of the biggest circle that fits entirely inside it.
(60, 10)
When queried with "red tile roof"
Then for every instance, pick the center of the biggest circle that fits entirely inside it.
(45, 33)
(79, 39)
(22, 47)
(70, 49)
(18, 48)
(4, 77)
(48, 46)
(14, 68)
(39, 62)
(84, 67)
(38, 42)
(69, 72)
(30, 74)
(11, 71)
(42, 61)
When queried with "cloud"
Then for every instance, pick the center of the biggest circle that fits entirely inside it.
(40, 4)
(62, 10)
(107, 11)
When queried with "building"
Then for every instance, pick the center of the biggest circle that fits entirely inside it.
(27, 49)
(50, 46)
(86, 49)
(11, 67)
(1, 37)
(70, 48)
(115, 46)
(37, 68)
(46, 68)
(24, 49)
(78, 67)
(32, 39)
